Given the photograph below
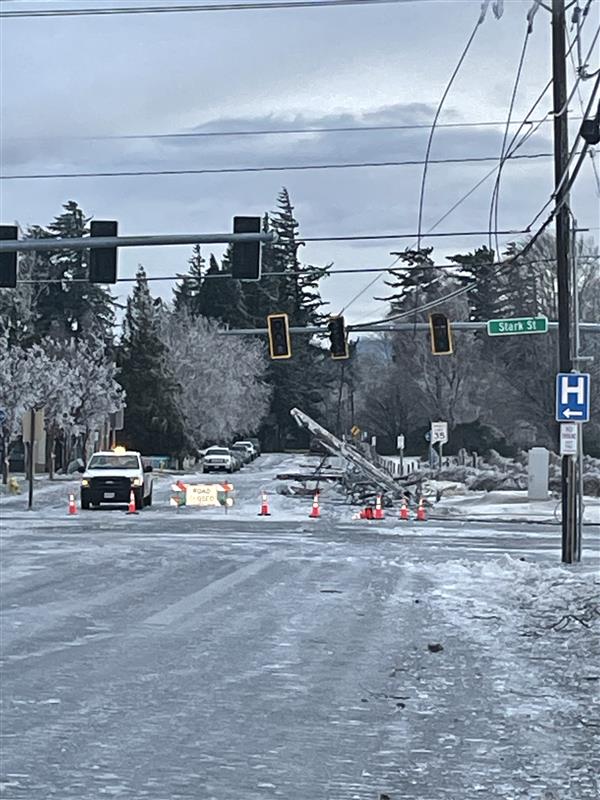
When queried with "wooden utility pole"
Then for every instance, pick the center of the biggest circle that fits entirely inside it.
(563, 237)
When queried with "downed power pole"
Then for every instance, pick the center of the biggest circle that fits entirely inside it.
(346, 451)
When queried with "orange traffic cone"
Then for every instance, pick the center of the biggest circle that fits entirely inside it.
(421, 515)
(131, 509)
(315, 511)
(264, 506)
(72, 504)
(404, 511)
(378, 508)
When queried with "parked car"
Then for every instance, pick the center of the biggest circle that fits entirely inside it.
(243, 451)
(218, 459)
(249, 447)
(239, 458)
(255, 442)
(112, 475)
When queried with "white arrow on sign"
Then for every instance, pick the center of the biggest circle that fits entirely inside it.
(570, 412)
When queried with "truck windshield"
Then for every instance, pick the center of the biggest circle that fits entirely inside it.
(110, 461)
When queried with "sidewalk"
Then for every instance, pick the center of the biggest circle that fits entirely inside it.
(510, 506)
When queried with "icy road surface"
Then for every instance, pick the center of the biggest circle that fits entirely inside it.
(190, 655)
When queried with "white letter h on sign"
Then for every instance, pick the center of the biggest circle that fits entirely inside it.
(578, 389)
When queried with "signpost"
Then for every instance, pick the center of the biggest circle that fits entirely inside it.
(569, 437)
(34, 438)
(572, 409)
(572, 397)
(439, 434)
(400, 447)
(518, 325)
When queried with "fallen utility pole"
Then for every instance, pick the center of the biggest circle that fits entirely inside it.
(339, 448)
(93, 242)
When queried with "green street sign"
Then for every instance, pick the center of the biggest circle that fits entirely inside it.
(510, 327)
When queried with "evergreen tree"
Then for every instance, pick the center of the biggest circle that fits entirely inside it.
(186, 295)
(153, 423)
(487, 298)
(220, 298)
(70, 306)
(305, 379)
(416, 283)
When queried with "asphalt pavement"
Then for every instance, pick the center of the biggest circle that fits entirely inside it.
(174, 655)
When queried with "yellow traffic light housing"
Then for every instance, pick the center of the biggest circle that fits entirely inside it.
(441, 335)
(338, 338)
(280, 345)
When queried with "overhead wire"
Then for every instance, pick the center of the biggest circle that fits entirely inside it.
(506, 263)
(427, 160)
(265, 168)
(269, 132)
(577, 70)
(514, 145)
(288, 273)
(565, 176)
(196, 7)
(438, 111)
(494, 203)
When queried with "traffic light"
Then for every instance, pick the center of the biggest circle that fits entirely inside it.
(590, 128)
(338, 338)
(441, 335)
(8, 261)
(280, 345)
(245, 261)
(103, 260)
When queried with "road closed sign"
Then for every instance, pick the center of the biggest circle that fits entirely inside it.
(202, 495)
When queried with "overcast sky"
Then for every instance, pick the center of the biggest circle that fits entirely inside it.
(64, 79)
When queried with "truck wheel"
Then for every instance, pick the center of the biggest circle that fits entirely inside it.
(139, 500)
(148, 500)
(85, 503)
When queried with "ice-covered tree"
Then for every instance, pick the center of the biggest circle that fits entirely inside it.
(222, 391)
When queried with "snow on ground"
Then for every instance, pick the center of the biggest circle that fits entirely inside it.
(51, 499)
(179, 655)
(512, 505)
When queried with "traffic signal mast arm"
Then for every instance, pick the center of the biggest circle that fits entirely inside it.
(88, 242)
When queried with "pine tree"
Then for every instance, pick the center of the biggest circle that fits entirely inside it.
(487, 298)
(305, 379)
(220, 298)
(416, 283)
(153, 423)
(186, 295)
(70, 306)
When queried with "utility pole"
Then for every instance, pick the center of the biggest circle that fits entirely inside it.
(561, 156)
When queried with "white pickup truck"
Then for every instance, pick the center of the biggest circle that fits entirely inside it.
(218, 458)
(112, 475)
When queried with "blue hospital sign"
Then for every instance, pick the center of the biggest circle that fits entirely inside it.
(572, 397)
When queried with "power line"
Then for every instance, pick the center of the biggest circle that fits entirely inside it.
(292, 273)
(276, 132)
(512, 148)
(268, 168)
(438, 111)
(507, 262)
(495, 201)
(255, 6)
